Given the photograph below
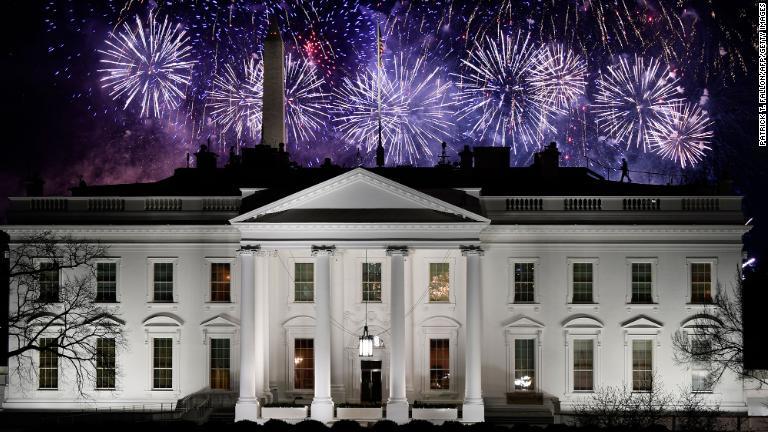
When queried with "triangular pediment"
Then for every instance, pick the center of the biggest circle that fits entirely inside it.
(641, 322)
(359, 195)
(524, 321)
(220, 321)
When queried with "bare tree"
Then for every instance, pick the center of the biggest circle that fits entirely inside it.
(52, 297)
(715, 341)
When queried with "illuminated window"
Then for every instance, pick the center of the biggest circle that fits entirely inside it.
(106, 282)
(439, 282)
(105, 363)
(371, 282)
(49, 363)
(582, 282)
(304, 282)
(48, 279)
(162, 363)
(303, 364)
(701, 282)
(642, 364)
(583, 364)
(439, 364)
(220, 364)
(700, 367)
(220, 282)
(163, 282)
(525, 364)
(524, 282)
(642, 283)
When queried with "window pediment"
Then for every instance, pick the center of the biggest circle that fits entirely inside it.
(221, 320)
(523, 322)
(699, 321)
(641, 322)
(163, 320)
(582, 321)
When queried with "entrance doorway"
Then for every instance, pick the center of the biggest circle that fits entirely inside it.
(370, 387)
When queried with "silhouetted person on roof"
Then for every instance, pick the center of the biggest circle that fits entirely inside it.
(625, 171)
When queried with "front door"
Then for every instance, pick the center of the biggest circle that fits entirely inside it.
(370, 388)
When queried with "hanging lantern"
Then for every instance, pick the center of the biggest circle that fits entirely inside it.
(366, 344)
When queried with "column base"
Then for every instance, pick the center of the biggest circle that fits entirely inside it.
(247, 409)
(473, 412)
(397, 411)
(322, 410)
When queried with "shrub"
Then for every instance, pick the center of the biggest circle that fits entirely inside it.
(384, 426)
(274, 425)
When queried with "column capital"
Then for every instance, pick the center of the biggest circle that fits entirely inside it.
(323, 250)
(249, 249)
(471, 250)
(397, 250)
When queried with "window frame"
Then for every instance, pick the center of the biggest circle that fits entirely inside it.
(40, 365)
(36, 262)
(655, 294)
(653, 369)
(96, 386)
(362, 282)
(523, 328)
(233, 282)
(118, 264)
(151, 261)
(712, 261)
(163, 326)
(583, 328)
(293, 359)
(155, 338)
(595, 282)
(451, 280)
(302, 327)
(221, 327)
(440, 328)
(230, 360)
(511, 262)
(292, 282)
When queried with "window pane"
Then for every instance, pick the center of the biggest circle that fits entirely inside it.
(220, 364)
(582, 282)
(439, 364)
(163, 282)
(641, 283)
(371, 282)
(48, 279)
(701, 283)
(525, 366)
(106, 282)
(105, 363)
(583, 365)
(304, 282)
(304, 364)
(49, 363)
(642, 364)
(524, 283)
(439, 282)
(700, 367)
(162, 363)
(220, 282)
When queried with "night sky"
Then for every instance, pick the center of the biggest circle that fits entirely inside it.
(63, 120)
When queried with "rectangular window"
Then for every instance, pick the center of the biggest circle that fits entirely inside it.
(220, 282)
(162, 363)
(220, 364)
(439, 282)
(48, 278)
(304, 282)
(49, 363)
(524, 283)
(583, 364)
(304, 364)
(105, 363)
(371, 282)
(642, 364)
(106, 282)
(582, 282)
(701, 379)
(701, 283)
(525, 366)
(641, 283)
(439, 364)
(163, 282)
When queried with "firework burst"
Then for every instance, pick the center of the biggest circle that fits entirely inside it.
(632, 99)
(305, 102)
(683, 135)
(557, 77)
(415, 110)
(151, 64)
(236, 99)
(497, 97)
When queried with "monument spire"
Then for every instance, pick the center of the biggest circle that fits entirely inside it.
(273, 107)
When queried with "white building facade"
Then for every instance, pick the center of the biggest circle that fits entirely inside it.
(509, 299)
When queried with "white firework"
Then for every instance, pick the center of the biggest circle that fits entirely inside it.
(149, 63)
(305, 102)
(557, 77)
(683, 135)
(236, 99)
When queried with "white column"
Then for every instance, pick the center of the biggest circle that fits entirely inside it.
(397, 405)
(322, 404)
(261, 349)
(474, 409)
(247, 407)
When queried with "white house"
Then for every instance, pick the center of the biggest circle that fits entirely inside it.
(485, 287)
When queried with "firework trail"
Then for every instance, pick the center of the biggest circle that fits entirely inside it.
(415, 111)
(557, 77)
(497, 96)
(632, 99)
(236, 99)
(151, 62)
(683, 135)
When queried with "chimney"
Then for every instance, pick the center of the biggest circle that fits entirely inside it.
(547, 161)
(205, 159)
(465, 158)
(273, 102)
